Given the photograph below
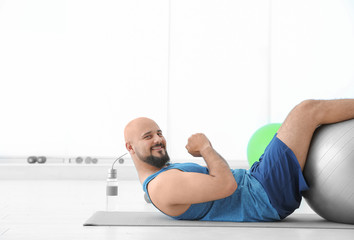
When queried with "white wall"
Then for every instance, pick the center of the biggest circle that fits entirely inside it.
(219, 71)
(312, 52)
(73, 73)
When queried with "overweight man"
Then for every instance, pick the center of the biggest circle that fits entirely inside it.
(269, 191)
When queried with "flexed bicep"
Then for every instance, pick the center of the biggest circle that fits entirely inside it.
(173, 189)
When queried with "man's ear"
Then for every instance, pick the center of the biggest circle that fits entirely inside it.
(129, 147)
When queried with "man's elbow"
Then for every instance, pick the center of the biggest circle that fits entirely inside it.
(230, 187)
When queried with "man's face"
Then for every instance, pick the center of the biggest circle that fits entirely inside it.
(150, 146)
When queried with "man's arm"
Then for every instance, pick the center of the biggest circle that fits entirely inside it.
(175, 187)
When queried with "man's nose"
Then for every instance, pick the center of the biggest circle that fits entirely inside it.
(157, 139)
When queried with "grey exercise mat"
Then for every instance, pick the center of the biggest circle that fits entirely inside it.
(156, 219)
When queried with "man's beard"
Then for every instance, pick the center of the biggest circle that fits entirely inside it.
(157, 162)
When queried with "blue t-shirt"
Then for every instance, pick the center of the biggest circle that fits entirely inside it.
(249, 203)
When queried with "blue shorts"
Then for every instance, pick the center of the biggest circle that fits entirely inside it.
(280, 174)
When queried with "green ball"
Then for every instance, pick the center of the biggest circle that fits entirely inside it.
(259, 141)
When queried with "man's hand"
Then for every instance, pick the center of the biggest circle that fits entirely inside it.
(197, 143)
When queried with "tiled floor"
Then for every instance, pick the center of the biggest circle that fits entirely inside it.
(35, 210)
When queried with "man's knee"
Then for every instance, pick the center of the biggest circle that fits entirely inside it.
(310, 110)
(309, 105)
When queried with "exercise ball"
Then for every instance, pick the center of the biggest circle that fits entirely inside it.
(260, 140)
(329, 172)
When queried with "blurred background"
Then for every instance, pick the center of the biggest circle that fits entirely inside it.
(74, 73)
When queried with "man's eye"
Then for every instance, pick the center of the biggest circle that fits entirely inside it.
(147, 137)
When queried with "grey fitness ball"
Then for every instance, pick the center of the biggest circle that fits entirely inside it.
(329, 172)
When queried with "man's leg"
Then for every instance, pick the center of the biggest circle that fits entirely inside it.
(297, 130)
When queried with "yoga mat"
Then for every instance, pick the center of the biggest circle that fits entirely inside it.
(156, 219)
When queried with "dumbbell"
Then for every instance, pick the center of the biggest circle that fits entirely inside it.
(79, 160)
(42, 159)
(34, 159)
(88, 160)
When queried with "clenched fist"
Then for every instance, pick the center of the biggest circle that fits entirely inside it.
(197, 143)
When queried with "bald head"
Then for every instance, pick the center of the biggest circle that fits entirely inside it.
(137, 127)
(145, 142)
